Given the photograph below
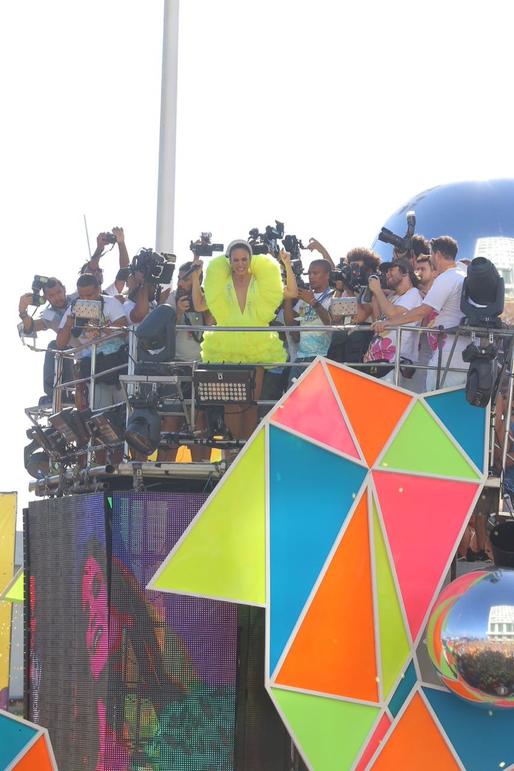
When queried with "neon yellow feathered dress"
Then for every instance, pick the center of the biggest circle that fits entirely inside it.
(265, 294)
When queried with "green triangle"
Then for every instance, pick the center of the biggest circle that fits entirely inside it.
(223, 554)
(13, 592)
(422, 445)
(394, 643)
(330, 732)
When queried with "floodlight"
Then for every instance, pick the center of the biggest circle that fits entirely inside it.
(224, 385)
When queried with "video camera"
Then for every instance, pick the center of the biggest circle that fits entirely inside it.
(400, 243)
(356, 277)
(204, 248)
(293, 245)
(267, 242)
(156, 268)
(38, 286)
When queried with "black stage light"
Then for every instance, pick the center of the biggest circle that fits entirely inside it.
(143, 431)
(70, 424)
(483, 294)
(36, 460)
(482, 302)
(107, 426)
(224, 385)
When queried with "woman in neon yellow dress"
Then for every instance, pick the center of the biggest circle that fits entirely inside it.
(243, 290)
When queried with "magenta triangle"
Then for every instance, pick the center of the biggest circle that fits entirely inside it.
(423, 518)
(313, 411)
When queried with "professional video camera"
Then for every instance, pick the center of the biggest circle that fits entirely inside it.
(204, 248)
(402, 244)
(156, 268)
(293, 245)
(482, 302)
(267, 242)
(38, 285)
(355, 276)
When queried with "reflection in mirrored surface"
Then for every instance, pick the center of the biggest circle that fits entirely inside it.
(471, 637)
(477, 214)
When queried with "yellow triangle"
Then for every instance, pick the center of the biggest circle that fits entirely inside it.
(222, 555)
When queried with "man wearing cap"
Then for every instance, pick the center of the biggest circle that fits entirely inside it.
(404, 296)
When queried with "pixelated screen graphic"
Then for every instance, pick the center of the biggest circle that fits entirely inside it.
(125, 678)
(68, 624)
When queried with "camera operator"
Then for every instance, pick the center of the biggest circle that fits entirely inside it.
(402, 282)
(109, 354)
(351, 280)
(54, 293)
(312, 309)
(441, 307)
(187, 349)
(92, 266)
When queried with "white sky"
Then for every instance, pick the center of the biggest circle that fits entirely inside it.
(326, 115)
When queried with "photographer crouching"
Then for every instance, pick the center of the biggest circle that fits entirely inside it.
(53, 291)
(87, 318)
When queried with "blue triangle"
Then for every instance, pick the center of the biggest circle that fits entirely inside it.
(13, 738)
(465, 422)
(403, 689)
(311, 492)
(482, 738)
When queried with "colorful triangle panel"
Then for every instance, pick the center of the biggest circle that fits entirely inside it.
(372, 425)
(405, 686)
(328, 732)
(468, 424)
(421, 445)
(416, 743)
(311, 492)
(223, 554)
(423, 519)
(378, 735)
(14, 735)
(334, 650)
(394, 643)
(38, 758)
(14, 590)
(313, 411)
(482, 738)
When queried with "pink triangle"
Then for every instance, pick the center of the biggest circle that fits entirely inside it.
(423, 518)
(378, 734)
(313, 411)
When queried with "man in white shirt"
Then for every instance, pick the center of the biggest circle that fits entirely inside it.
(312, 309)
(441, 307)
(112, 315)
(404, 297)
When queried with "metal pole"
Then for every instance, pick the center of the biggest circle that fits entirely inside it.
(168, 134)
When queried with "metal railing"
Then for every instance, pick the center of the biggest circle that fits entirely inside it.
(187, 406)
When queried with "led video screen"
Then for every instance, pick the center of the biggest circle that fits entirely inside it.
(125, 678)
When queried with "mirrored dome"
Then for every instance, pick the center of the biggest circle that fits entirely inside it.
(479, 215)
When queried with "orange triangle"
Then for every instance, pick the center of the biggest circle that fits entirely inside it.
(334, 648)
(36, 759)
(416, 742)
(312, 410)
(373, 409)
